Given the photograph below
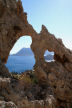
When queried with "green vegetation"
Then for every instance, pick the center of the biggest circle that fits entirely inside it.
(71, 105)
(15, 75)
(27, 77)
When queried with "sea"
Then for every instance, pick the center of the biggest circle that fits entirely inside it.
(20, 64)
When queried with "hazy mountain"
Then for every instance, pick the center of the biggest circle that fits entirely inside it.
(28, 52)
(24, 52)
(49, 57)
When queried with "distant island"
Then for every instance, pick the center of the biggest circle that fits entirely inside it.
(49, 57)
(28, 52)
(24, 52)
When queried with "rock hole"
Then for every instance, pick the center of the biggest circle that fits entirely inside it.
(16, 28)
(21, 57)
(49, 56)
(55, 87)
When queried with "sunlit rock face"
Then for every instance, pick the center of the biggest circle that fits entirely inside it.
(4, 104)
(57, 74)
(13, 24)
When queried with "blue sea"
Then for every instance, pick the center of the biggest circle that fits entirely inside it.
(20, 63)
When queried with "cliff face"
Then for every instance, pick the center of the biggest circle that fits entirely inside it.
(57, 74)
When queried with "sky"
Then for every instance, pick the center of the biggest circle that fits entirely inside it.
(56, 15)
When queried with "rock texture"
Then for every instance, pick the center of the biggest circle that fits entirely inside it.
(4, 71)
(4, 104)
(12, 96)
(57, 74)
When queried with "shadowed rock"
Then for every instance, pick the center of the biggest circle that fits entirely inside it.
(4, 72)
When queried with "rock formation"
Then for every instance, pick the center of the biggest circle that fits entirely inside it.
(4, 71)
(4, 104)
(57, 74)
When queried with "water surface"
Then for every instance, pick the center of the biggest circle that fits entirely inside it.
(20, 63)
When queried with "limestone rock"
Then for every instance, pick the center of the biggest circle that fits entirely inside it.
(48, 103)
(58, 74)
(4, 72)
(4, 104)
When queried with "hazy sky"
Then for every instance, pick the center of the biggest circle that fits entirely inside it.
(56, 15)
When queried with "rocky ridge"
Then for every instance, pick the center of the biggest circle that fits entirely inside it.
(56, 75)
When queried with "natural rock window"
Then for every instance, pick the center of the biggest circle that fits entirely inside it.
(21, 57)
(48, 56)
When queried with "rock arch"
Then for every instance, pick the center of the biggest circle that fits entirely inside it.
(24, 61)
(14, 24)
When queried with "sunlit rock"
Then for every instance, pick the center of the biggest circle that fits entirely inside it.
(57, 75)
